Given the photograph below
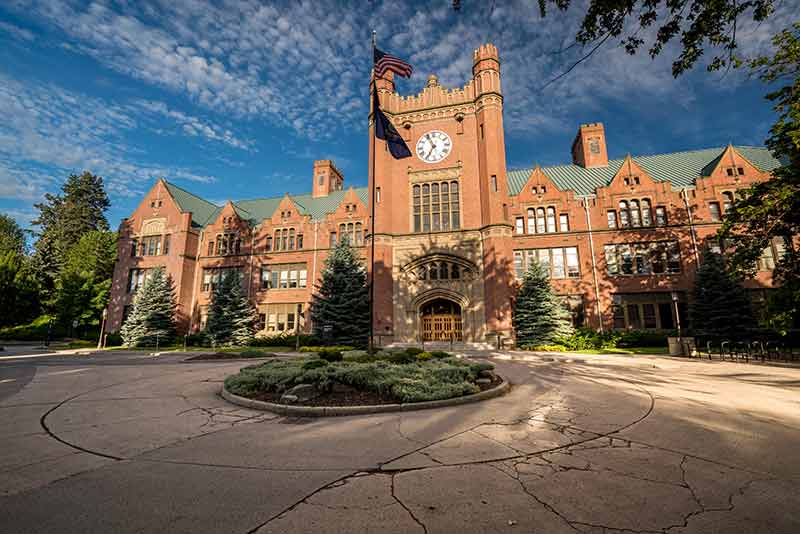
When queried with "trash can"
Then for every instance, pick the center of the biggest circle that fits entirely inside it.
(689, 348)
(675, 348)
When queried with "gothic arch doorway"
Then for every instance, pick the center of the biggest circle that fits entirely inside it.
(441, 320)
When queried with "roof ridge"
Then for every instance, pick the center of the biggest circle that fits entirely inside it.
(189, 193)
(308, 193)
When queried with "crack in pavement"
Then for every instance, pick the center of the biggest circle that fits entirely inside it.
(406, 508)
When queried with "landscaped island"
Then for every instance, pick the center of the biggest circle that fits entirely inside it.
(354, 378)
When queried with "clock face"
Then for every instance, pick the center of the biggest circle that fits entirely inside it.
(434, 146)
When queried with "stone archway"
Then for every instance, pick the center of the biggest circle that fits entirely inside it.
(441, 320)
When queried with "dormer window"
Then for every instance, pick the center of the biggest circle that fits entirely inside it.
(535, 190)
(626, 181)
(740, 171)
(729, 170)
(636, 180)
(544, 189)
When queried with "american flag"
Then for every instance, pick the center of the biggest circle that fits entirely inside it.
(387, 62)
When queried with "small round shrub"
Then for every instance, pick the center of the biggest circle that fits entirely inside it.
(255, 353)
(413, 351)
(424, 356)
(440, 354)
(314, 364)
(546, 348)
(401, 358)
(331, 355)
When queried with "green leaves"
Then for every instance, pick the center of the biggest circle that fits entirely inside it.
(153, 316)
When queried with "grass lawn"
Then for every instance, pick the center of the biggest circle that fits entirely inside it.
(180, 348)
(393, 377)
(629, 350)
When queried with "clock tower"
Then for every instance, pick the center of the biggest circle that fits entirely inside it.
(443, 258)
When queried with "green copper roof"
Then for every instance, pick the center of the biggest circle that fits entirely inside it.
(204, 212)
(681, 169)
(201, 209)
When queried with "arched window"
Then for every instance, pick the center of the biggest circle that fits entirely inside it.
(445, 206)
(343, 237)
(444, 271)
(359, 235)
(291, 239)
(434, 271)
(551, 219)
(455, 271)
(540, 221)
(647, 215)
(636, 219)
(422, 272)
(531, 221)
(285, 239)
(220, 244)
(624, 214)
(277, 240)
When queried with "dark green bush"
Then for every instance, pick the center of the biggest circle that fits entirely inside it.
(113, 340)
(284, 340)
(413, 351)
(331, 355)
(643, 338)
(255, 353)
(36, 330)
(439, 354)
(314, 364)
(320, 348)
(197, 340)
(401, 358)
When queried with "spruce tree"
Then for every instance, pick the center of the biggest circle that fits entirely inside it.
(153, 314)
(720, 305)
(231, 316)
(340, 307)
(539, 315)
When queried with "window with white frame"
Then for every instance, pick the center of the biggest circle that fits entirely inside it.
(660, 257)
(560, 262)
(286, 276)
(282, 318)
(213, 275)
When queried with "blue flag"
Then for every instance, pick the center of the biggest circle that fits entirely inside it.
(385, 130)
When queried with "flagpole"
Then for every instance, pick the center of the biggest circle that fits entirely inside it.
(371, 345)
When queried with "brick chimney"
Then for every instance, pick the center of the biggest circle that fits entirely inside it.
(589, 146)
(326, 178)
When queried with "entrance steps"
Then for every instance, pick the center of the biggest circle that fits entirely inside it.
(444, 345)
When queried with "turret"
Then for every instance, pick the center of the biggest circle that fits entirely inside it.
(589, 146)
(327, 178)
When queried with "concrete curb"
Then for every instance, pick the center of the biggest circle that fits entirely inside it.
(325, 411)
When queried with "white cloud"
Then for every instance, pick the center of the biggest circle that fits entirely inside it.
(16, 31)
(195, 126)
(48, 132)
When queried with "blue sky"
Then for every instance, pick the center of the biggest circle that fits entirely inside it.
(237, 99)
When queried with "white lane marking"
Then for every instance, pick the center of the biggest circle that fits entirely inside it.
(67, 372)
(8, 380)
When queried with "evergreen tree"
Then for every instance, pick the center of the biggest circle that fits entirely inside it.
(231, 316)
(63, 219)
(340, 307)
(153, 314)
(539, 315)
(720, 305)
(12, 237)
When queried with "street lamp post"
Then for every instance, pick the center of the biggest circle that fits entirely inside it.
(100, 343)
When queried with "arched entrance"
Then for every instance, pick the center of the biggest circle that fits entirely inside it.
(441, 320)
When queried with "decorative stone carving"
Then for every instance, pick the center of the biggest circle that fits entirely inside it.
(153, 226)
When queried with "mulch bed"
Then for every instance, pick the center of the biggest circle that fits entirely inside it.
(230, 356)
(348, 396)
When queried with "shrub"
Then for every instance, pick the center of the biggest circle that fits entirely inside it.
(439, 354)
(322, 348)
(413, 351)
(255, 353)
(642, 338)
(284, 340)
(197, 340)
(36, 330)
(113, 340)
(424, 356)
(82, 344)
(546, 348)
(331, 355)
(401, 358)
(425, 380)
(314, 364)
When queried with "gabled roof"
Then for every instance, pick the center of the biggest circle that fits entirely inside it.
(681, 169)
(202, 210)
(256, 210)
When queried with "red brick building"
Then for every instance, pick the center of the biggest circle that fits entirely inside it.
(454, 228)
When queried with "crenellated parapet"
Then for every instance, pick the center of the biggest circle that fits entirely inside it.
(435, 101)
